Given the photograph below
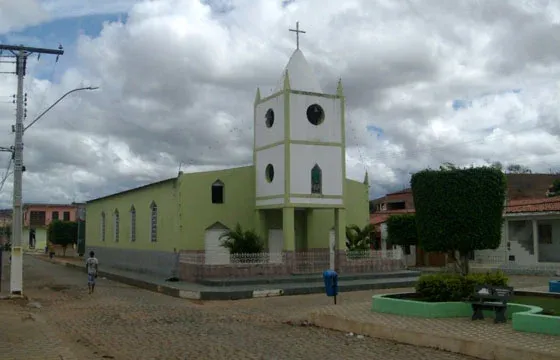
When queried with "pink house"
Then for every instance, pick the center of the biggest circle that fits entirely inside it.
(36, 218)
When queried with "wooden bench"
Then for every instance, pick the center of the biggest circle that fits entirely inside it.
(494, 298)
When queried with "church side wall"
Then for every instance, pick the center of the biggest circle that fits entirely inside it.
(198, 212)
(142, 255)
(357, 203)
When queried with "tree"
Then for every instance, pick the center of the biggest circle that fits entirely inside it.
(238, 241)
(554, 189)
(497, 165)
(459, 211)
(62, 233)
(511, 168)
(401, 230)
(6, 230)
(518, 169)
(447, 166)
(359, 239)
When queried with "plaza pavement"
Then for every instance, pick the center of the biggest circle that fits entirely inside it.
(61, 321)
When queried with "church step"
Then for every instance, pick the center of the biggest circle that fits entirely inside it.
(288, 289)
(307, 278)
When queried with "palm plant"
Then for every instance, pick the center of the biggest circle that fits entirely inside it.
(238, 241)
(359, 239)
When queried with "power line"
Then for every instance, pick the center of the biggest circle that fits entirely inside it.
(6, 174)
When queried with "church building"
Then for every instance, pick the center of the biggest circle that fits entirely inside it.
(295, 194)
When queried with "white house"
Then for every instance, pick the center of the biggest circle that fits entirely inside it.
(530, 237)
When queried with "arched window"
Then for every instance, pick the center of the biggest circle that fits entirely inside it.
(116, 225)
(103, 226)
(132, 224)
(316, 180)
(153, 222)
(218, 192)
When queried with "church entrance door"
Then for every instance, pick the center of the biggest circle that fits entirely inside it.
(215, 254)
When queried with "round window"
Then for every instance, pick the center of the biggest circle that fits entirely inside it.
(269, 118)
(269, 172)
(315, 114)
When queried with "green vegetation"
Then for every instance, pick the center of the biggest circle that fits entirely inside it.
(554, 189)
(239, 241)
(359, 239)
(401, 230)
(443, 287)
(459, 210)
(62, 233)
(550, 306)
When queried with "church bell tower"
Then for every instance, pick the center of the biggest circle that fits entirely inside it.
(299, 144)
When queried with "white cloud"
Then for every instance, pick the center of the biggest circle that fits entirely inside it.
(178, 80)
(16, 15)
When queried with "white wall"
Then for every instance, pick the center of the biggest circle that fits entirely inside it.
(521, 241)
(515, 238)
(274, 156)
(302, 160)
(266, 136)
(301, 129)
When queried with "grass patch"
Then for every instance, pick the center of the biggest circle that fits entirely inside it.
(550, 306)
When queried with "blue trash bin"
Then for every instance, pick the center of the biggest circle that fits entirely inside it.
(330, 277)
(554, 286)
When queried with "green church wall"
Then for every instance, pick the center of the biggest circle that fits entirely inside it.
(198, 212)
(357, 203)
(164, 194)
(185, 211)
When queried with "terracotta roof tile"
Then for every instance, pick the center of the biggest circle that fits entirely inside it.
(380, 217)
(533, 205)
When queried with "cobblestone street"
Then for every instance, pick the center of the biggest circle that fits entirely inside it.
(61, 321)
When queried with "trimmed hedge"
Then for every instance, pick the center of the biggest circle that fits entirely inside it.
(459, 209)
(443, 287)
(401, 230)
(62, 233)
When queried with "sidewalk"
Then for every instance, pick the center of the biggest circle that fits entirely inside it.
(484, 340)
(182, 290)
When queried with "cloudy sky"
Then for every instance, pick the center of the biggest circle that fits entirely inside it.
(427, 81)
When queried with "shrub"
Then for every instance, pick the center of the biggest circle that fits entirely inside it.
(62, 233)
(359, 239)
(455, 287)
(239, 241)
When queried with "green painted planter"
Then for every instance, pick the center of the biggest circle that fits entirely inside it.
(524, 317)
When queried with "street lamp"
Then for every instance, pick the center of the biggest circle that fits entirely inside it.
(56, 102)
(16, 270)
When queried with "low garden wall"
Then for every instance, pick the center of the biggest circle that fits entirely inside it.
(193, 265)
(524, 318)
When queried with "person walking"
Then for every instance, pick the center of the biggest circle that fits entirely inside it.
(91, 267)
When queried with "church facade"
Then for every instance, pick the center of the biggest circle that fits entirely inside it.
(295, 195)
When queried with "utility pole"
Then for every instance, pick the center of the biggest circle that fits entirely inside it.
(21, 53)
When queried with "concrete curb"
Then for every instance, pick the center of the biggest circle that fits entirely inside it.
(481, 350)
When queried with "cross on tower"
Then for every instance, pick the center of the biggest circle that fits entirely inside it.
(297, 31)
